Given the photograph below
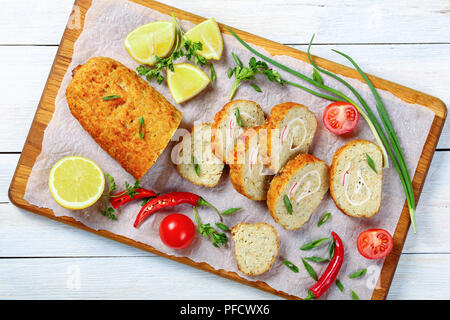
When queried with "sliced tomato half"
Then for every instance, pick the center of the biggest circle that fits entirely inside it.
(340, 117)
(374, 243)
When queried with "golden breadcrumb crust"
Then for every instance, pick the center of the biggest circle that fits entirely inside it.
(114, 124)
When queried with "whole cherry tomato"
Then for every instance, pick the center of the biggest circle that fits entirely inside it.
(177, 231)
(374, 243)
(340, 117)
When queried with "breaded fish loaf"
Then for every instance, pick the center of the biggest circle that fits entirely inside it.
(115, 123)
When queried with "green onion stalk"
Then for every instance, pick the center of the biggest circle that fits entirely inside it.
(391, 146)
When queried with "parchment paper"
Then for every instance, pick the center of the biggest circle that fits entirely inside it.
(106, 25)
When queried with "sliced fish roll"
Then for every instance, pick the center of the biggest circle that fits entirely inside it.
(356, 178)
(196, 162)
(297, 190)
(230, 122)
(291, 127)
(248, 174)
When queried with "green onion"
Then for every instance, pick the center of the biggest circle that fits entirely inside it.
(395, 151)
(331, 248)
(317, 259)
(313, 244)
(324, 219)
(339, 285)
(196, 166)
(112, 97)
(290, 265)
(238, 117)
(358, 273)
(288, 204)
(371, 163)
(354, 295)
(141, 128)
(310, 269)
(399, 159)
(317, 77)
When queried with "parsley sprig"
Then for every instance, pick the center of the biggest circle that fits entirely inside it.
(255, 67)
(109, 211)
(130, 190)
(183, 48)
(210, 232)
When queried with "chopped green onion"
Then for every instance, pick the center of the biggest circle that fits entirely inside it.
(288, 204)
(317, 259)
(324, 219)
(310, 269)
(340, 285)
(371, 163)
(313, 244)
(238, 117)
(141, 128)
(358, 273)
(112, 97)
(196, 166)
(290, 265)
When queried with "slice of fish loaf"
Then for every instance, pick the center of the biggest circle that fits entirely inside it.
(226, 127)
(247, 172)
(195, 153)
(354, 186)
(304, 180)
(291, 127)
(127, 117)
(255, 246)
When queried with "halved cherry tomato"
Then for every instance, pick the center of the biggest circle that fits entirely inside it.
(374, 243)
(177, 231)
(340, 117)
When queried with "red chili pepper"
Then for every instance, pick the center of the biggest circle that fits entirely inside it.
(122, 197)
(331, 271)
(170, 200)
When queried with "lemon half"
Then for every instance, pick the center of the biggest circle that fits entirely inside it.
(150, 40)
(186, 81)
(76, 182)
(208, 33)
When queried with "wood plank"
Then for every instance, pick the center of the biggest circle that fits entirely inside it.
(156, 278)
(414, 21)
(9, 162)
(115, 278)
(46, 108)
(394, 62)
(421, 276)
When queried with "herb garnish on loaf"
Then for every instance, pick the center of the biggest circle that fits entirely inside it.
(355, 181)
(255, 246)
(303, 181)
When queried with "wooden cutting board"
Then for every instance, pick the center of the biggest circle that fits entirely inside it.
(45, 110)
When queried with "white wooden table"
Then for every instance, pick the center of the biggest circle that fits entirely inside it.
(405, 41)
